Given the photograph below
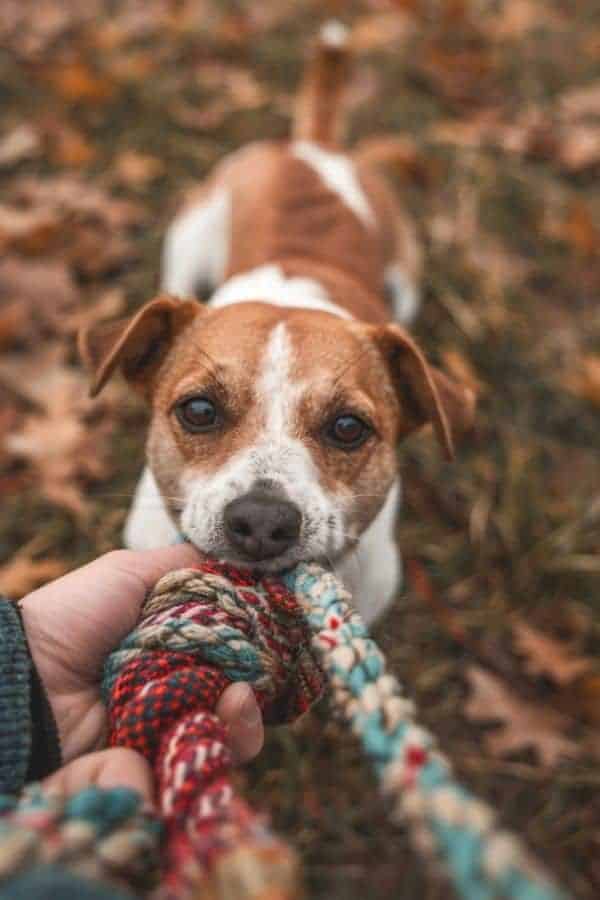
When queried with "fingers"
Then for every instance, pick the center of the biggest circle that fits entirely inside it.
(239, 710)
(117, 767)
(150, 565)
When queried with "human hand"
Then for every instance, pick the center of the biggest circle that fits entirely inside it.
(106, 769)
(74, 623)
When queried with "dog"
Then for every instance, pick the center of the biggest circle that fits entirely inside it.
(278, 406)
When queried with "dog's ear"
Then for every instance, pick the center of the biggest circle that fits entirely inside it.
(137, 344)
(425, 394)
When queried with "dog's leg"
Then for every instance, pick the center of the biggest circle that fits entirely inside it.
(148, 524)
(196, 246)
(373, 571)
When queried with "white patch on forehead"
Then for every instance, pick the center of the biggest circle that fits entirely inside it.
(277, 457)
(275, 391)
(269, 284)
(337, 172)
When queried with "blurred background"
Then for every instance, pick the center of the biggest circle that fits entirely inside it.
(487, 116)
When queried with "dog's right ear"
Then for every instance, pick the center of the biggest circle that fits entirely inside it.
(137, 345)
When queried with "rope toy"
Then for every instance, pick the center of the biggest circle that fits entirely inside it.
(105, 835)
(202, 629)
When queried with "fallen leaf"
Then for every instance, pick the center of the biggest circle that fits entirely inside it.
(585, 381)
(460, 367)
(583, 695)
(44, 292)
(544, 655)
(237, 88)
(581, 102)
(380, 30)
(580, 230)
(73, 194)
(23, 142)
(137, 169)
(67, 146)
(76, 82)
(522, 724)
(64, 448)
(580, 147)
(24, 572)
(515, 18)
(203, 116)
(501, 267)
(29, 230)
(95, 251)
(401, 155)
(108, 305)
(14, 322)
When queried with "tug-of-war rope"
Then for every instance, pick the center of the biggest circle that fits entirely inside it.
(200, 630)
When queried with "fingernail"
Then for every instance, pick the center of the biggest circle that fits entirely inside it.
(249, 712)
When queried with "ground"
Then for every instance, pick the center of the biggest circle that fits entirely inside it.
(108, 112)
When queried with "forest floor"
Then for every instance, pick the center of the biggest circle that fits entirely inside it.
(108, 112)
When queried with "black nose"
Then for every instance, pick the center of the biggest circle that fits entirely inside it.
(262, 526)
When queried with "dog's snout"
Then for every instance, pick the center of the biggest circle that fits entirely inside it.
(262, 526)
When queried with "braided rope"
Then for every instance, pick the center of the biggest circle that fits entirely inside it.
(444, 820)
(106, 835)
(200, 630)
(198, 633)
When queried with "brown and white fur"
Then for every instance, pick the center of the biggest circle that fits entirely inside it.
(297, 242)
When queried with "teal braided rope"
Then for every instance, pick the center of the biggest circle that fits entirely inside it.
(445, 821)
(105, 835)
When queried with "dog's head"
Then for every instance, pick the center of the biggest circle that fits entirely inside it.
(274, 431)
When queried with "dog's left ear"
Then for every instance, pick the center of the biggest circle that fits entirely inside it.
(137, 345)
(425, 394)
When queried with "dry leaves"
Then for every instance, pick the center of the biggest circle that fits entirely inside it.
(522, 724)
(584, 382)
(544, 655)
(43, 292)
(136, 170)
(64, 438)
(23, 142)
(71, 218)
(75, 82)
(26, 571)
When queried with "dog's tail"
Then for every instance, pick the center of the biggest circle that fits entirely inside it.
(320, 113)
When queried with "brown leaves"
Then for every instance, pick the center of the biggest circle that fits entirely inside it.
(22, 142)
(136, 170)
(544, 655)
(522, 725)
(26, 571)
(44, 294)
(76, 82)
(584, 380)
(69, 217)
(63, 438)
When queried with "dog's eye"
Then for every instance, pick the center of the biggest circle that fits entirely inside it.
(197, 414)
(348, 432)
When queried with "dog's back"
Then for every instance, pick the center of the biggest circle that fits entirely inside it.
(304, 206)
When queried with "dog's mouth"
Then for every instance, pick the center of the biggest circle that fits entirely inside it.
(272, 565)
(267, 566)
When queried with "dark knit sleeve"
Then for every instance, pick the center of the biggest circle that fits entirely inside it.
(29, 743)
(15, 701)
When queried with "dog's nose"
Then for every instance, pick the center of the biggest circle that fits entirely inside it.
(262, 526)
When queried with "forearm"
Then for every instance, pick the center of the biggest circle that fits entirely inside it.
(29, 746)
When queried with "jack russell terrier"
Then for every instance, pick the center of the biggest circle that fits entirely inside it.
(277, 407)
